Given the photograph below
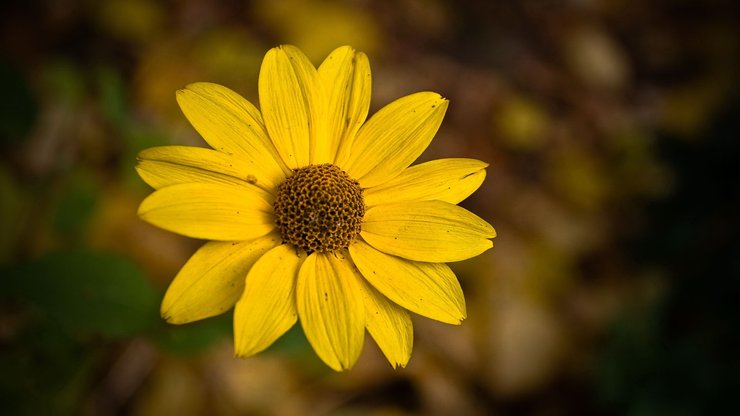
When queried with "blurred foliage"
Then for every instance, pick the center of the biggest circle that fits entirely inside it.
(64, 308)
(85, 293)
(11, 214)
(189, 339)
(612, 131)
(677, 355)
(18, 109)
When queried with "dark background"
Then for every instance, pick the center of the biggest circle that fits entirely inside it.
(612, 128)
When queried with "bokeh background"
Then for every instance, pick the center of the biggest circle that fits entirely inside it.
(612, 128)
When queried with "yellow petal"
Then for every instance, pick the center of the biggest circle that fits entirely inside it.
(210, 211)
(267, 308)
(213, 279)
(345, 91)
(330, 307)
(429, 289)
(170, 165)
(394, 137)
(389, 325)
(431, 231)
(449, 180)
(287, 92)
(232, 125)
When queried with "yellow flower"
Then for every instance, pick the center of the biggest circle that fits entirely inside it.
(313, 212)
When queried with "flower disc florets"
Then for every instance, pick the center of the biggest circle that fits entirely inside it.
(319, 208)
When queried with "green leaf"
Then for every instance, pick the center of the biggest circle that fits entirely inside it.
(76, 204)
(86, 293)
(292, 342)
(194, 337)
(65, 81)
(45, 371)
(112, 92)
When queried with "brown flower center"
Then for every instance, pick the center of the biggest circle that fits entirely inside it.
(319, 208)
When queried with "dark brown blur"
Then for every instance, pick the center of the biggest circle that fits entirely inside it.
(612, 128)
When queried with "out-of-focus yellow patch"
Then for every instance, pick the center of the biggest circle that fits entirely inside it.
(139, 21)
(228, 56)
(522, 123)
(579, 177)
(688, 109)
(163, 69)
(596, 58)
(317, 27)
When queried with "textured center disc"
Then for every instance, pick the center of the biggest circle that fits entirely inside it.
(319, 208)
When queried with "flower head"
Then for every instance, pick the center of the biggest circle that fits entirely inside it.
(313, 213)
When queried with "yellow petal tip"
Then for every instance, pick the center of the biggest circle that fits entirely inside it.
(170, 318)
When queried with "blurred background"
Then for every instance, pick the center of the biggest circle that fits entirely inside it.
(612, 128)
